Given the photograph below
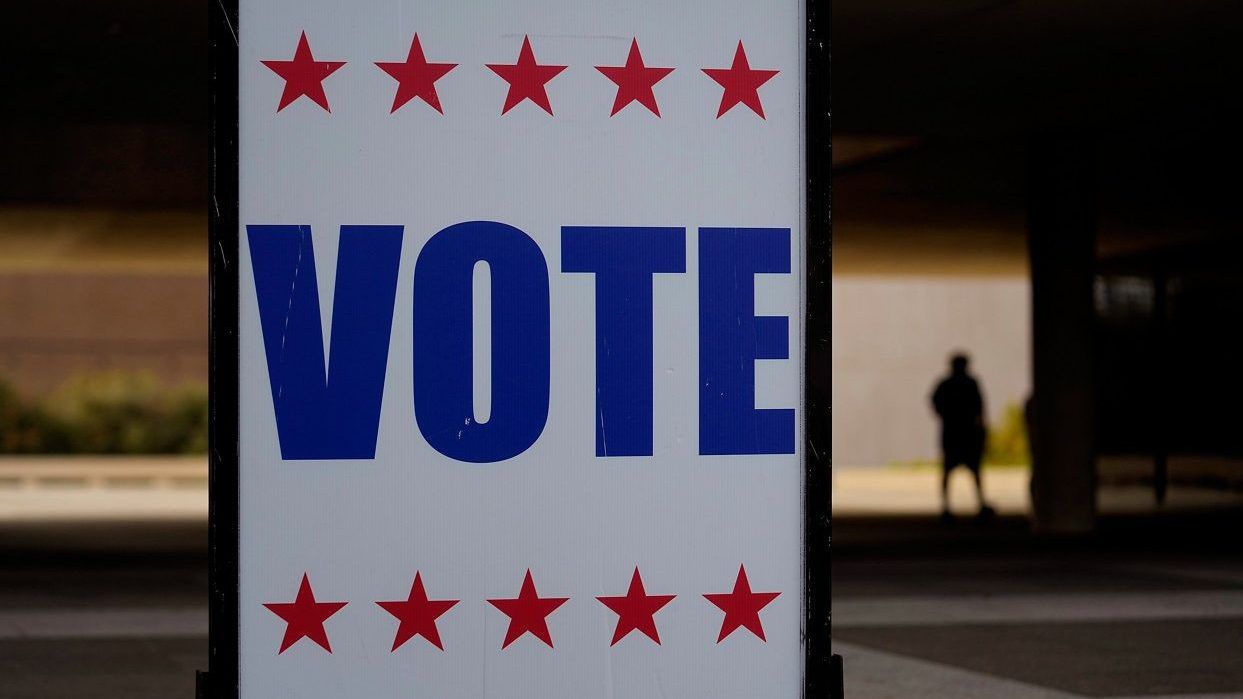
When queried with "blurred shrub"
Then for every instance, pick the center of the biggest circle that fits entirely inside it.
(110, 413)
(28, 429)
(1007, 441)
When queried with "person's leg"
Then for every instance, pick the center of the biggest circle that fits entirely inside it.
(979, 490)
(946, 467)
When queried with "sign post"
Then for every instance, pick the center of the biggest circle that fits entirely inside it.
(520, 347)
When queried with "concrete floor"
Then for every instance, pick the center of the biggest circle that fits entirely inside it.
(1151, 606)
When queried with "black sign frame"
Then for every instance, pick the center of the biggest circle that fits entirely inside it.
(822, 674)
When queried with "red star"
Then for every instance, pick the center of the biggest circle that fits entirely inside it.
(742, 607)
(528, 612)
(634, 81)
(305, 617)
(416, 77)
(741, 83)
(526, 79)
(303, 75)
(417, 614)
(636, 611)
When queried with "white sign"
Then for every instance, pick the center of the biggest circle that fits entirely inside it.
(521, 349)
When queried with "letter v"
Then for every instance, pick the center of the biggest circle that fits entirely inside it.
(326, 409)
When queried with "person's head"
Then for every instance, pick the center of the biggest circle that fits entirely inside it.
(959, 362)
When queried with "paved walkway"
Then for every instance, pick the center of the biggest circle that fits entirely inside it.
(931, 614)
(1151, 606)
(103, 587)
(915, 490)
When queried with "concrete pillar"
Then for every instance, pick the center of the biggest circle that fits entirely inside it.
(1061, 238)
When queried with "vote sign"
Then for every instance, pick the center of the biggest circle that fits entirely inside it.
(520, 319)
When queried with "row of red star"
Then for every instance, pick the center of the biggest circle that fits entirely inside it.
(416, 77)
(528, 612)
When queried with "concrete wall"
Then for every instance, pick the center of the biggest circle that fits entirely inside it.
(54, 325)
(892, 336)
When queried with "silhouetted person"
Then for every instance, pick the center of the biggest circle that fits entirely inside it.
(960, 406)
